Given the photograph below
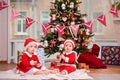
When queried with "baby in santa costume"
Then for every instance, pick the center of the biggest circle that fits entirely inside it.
(29, 63)
(67, 58)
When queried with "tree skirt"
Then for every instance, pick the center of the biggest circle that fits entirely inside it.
(78, 74)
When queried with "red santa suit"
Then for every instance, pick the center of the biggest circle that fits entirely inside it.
(69, 64)
(26, 64)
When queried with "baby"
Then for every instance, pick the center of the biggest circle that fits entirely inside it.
(29, 63)
(67, 58)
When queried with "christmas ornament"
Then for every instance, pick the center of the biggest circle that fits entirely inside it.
(45, 43)
(79, 39)
(53, 17)
(53, 64)
(52, 29)
(51, 20)
(78, 7)
(71, 4)
(61, 47)
(53, 43)
(72, 23)
(63, 6)
(64, 19)
(90, 45)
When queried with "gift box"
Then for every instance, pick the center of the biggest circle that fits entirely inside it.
(41, 55)
(110, 55)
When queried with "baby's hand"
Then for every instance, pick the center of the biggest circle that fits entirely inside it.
(35, 62)
(38, 65)
(58, 57)
(62, 56)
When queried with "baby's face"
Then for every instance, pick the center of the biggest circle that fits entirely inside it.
(68, 47)
(31, 49)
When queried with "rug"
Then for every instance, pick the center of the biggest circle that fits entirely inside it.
(78, 74)
(106, 76)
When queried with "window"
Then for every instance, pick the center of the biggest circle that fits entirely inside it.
(45, 17)
(113, 1)
(97, 26)
(20, 24)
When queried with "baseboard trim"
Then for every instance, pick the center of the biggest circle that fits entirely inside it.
(3, 61)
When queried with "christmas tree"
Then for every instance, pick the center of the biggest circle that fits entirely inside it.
(66, 22)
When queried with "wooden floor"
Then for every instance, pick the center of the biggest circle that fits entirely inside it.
(111, 69)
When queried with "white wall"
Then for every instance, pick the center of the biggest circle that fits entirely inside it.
(3, 34)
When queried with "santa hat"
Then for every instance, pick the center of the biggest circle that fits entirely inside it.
(28, 42)
(71, 41)
(95, 49)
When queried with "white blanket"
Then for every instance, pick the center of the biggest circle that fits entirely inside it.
(78, 74)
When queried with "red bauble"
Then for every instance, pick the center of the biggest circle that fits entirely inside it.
(58, 57)
(53, 64)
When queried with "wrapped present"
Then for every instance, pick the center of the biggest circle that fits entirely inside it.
(83, 66)
(41, 55)
(110, 55)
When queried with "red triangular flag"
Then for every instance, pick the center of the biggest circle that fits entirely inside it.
(14, 14)
(114, 11)
(75, 29)
(60, 30)
(45, 28)
(29, 21)
(89, 25)
(3, 4)
(102, 19)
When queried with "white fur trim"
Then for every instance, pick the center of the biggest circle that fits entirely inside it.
(66, 59)
(69, 65)
(43, 68)
(32, 71)
(32, 62)
(65, 72)
(56, 70)
(30, 44)
(28, 54)
(69, 41)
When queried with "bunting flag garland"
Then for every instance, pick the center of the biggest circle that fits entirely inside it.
(102, 19)
(14, 14)
(89, 25)
(29, 21)
(60, 30)
(75, 29)
(114, 11)
(45, 28)
(3, 4)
